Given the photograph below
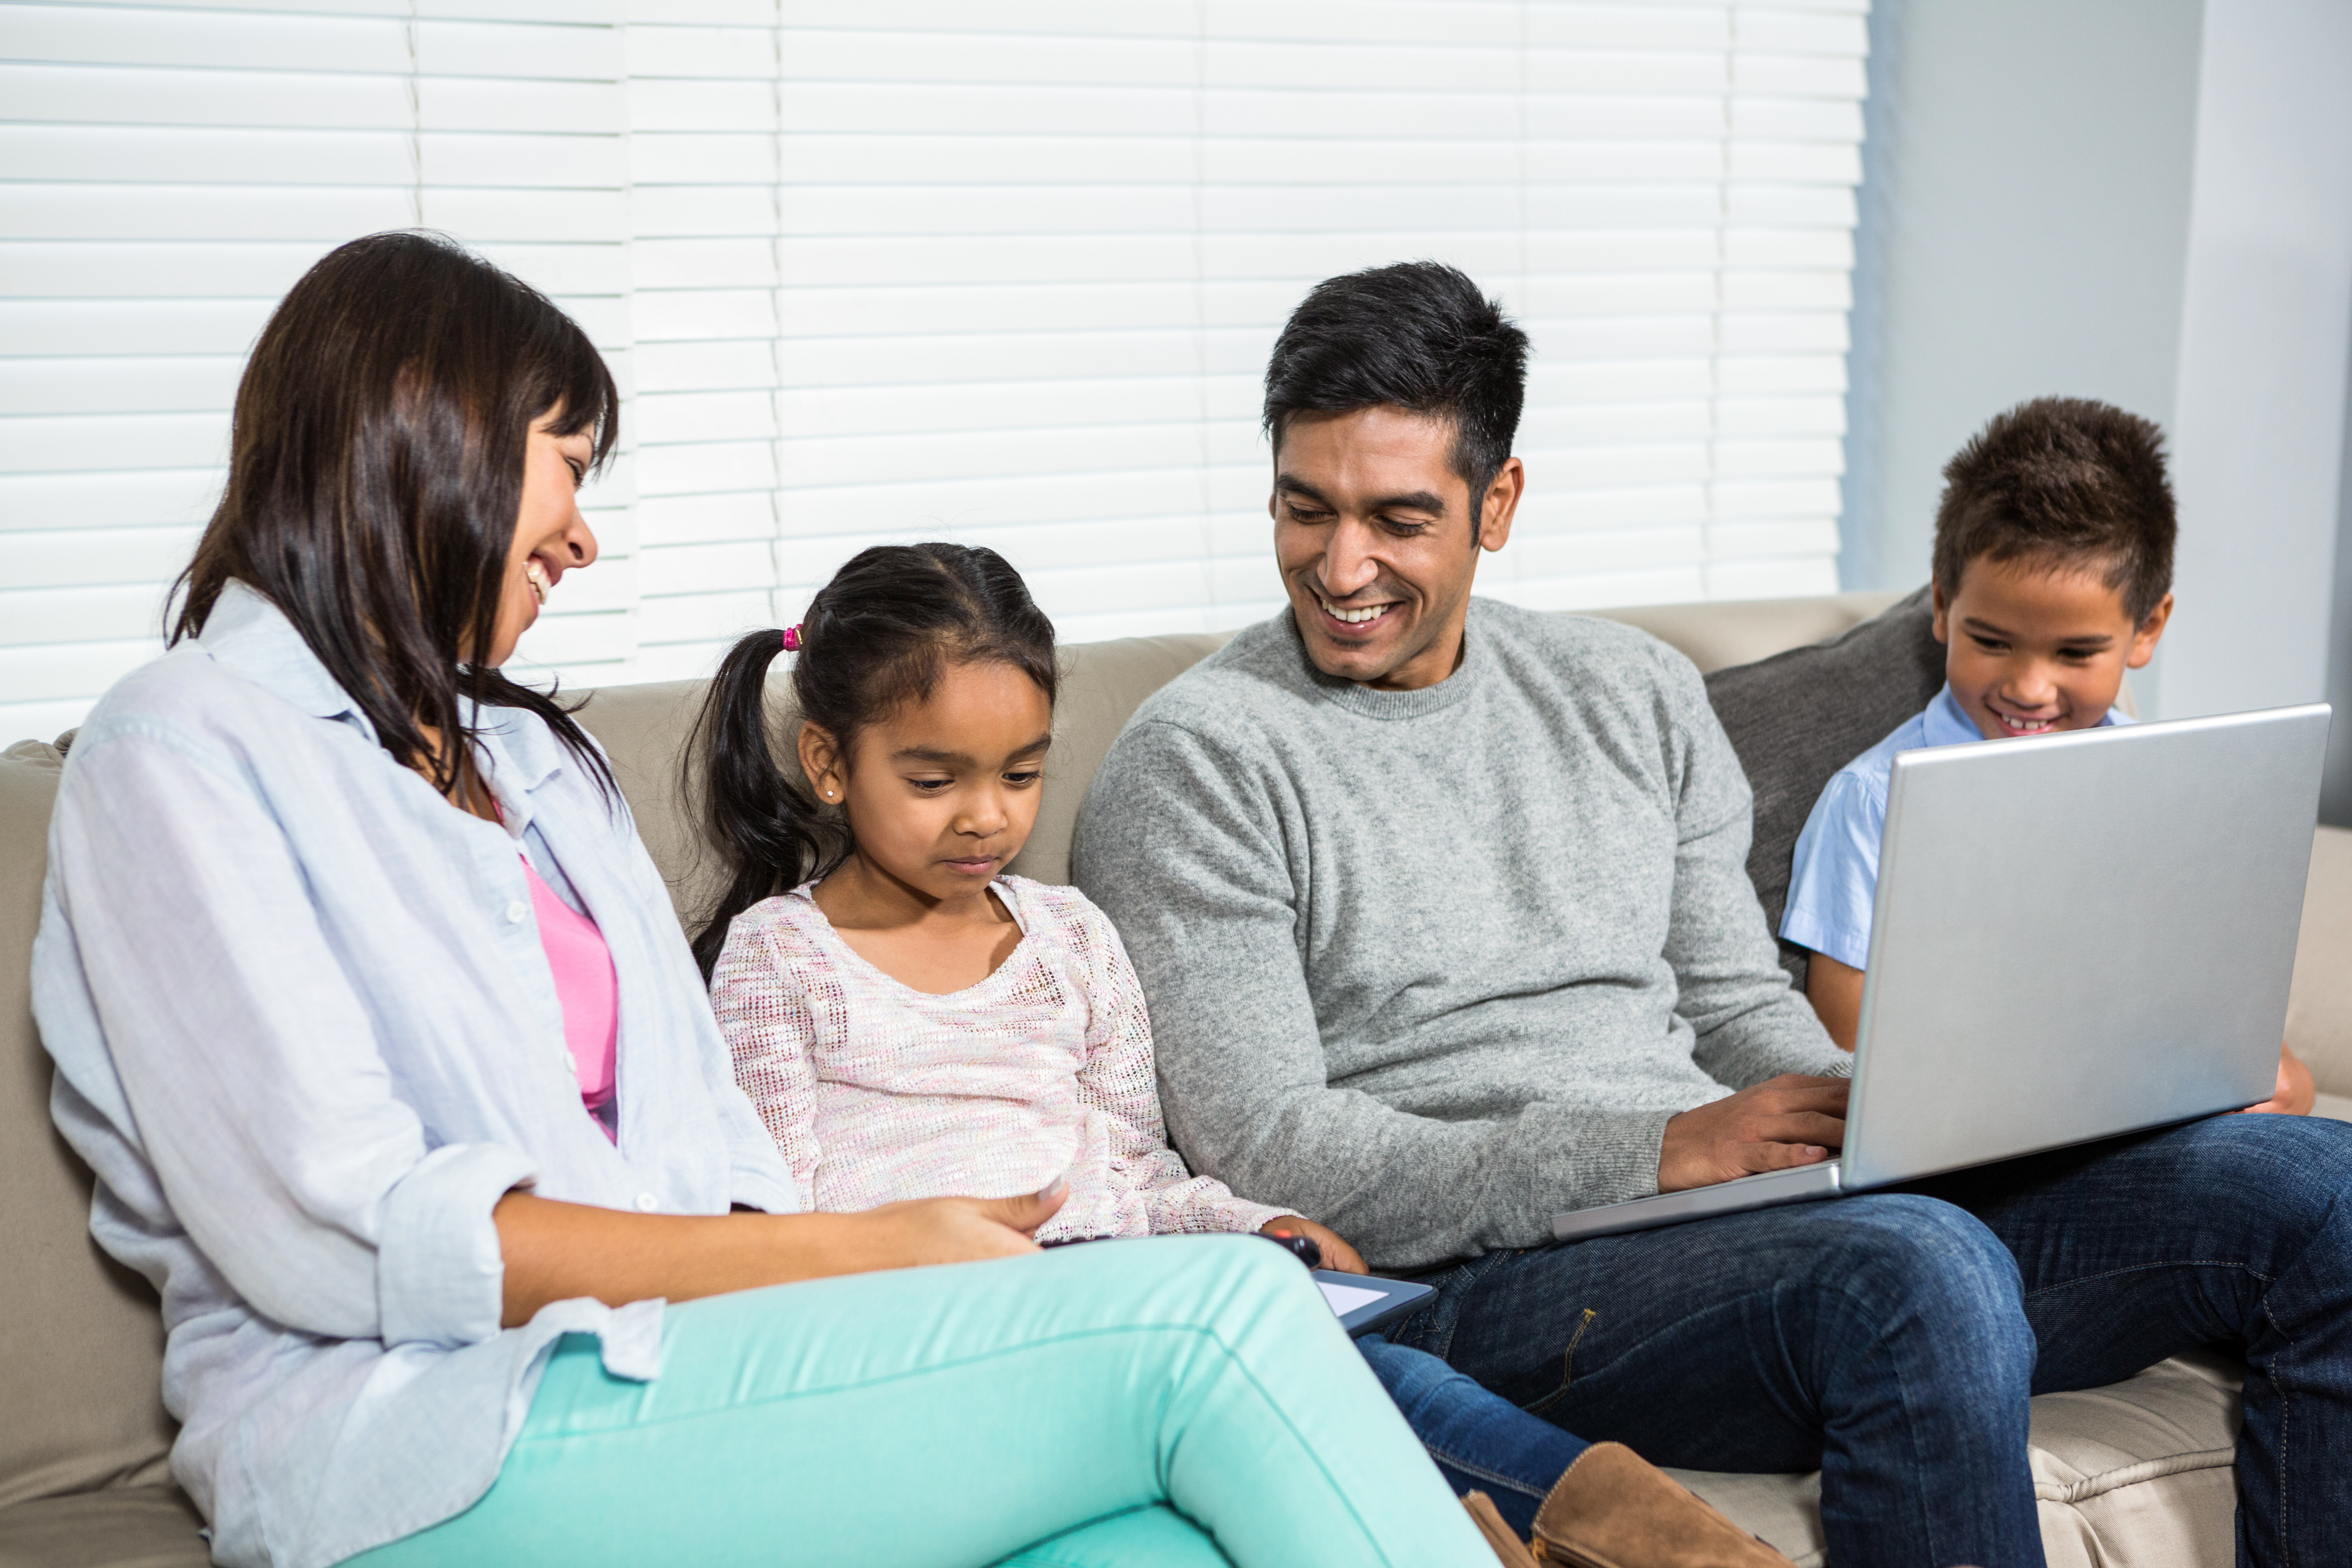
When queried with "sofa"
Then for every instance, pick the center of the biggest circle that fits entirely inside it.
(2138, 1474)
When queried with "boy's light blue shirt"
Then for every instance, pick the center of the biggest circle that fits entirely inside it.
(1836, 877)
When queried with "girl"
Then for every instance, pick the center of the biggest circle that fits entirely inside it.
(371, 1014)
(909, 1021)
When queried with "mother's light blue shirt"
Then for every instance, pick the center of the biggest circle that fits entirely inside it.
(307, 1037)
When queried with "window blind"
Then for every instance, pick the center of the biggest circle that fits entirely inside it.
(166, 173)
(1006, 274)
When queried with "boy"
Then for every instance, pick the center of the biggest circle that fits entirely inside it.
(2053, 576)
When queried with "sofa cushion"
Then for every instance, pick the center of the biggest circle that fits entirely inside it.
(643, 730)
(81, 1338)
(2139, 1473)
(1798, 717)
(1102, 683)
(121, 1527)
(1723, 632)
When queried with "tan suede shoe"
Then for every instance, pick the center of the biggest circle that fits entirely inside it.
(1508, 1549)
(1612, 1508)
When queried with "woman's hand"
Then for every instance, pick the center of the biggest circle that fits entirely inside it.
(2295, 1090)
(559, 1251)
(1337, 1254)
(959, 1230)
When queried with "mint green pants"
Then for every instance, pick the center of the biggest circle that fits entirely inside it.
(1188, 1401)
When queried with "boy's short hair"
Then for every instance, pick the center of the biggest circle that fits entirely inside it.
(2068, 480)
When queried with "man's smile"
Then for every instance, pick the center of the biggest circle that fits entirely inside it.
(1356, 616)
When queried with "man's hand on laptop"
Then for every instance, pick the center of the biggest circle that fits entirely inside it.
(1783, 1122)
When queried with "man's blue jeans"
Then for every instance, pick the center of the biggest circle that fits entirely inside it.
(1481, 1443)
(1893, 1340)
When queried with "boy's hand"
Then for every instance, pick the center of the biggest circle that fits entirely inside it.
(1788, 1121)
(1337, 1254)
(2295, 1090)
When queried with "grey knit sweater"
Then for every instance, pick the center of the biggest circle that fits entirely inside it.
(1433, 966)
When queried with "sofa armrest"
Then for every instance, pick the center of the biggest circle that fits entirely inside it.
(2319, 1008)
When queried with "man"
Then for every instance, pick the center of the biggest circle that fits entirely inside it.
(1441, 911)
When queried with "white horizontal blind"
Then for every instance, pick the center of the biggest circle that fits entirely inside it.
(1030, 258)
(1005, 273)
(170, 170)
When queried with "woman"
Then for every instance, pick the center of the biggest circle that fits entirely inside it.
(399, 1081)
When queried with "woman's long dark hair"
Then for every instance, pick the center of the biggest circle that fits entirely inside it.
(877, 636)
(375, 475)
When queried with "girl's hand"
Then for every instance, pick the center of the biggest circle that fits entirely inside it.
(2295, 1090)
(1337, 1254)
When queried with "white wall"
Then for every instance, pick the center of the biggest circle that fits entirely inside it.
(2259, 416)
(2026, 201)
(2143, 201)
(2139, 201)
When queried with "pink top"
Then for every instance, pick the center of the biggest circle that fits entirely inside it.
(874, 1091)
(585, 985)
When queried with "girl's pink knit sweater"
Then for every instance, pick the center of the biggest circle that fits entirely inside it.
(874, 1091)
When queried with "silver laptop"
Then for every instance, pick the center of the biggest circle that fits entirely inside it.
(2075, 937)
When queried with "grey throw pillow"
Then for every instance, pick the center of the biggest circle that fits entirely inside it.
(1798, 717)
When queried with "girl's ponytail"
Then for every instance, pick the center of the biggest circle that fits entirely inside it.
(876, 635)
(761, 822)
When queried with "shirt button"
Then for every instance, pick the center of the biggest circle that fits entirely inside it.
(647, 1202)
(516, 910)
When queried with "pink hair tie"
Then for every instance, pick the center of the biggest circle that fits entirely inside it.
(792, 636)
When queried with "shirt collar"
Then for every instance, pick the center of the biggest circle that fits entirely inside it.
(521, 755)
(252, 636)
(1948, 723)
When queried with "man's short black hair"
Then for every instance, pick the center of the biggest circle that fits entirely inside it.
(1418, 336)
(2067, 481)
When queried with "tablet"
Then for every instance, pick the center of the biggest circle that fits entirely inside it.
(1363, 1302)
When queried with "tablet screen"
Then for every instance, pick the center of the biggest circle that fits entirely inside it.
(1345, 1299)
(1364, 1302)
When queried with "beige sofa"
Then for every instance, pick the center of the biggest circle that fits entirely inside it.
(2138, 1474)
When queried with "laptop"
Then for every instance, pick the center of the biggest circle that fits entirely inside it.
(2166, 862)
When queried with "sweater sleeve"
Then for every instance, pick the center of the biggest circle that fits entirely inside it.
(764, 1011)
(1731, 987)
(1187, 848)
